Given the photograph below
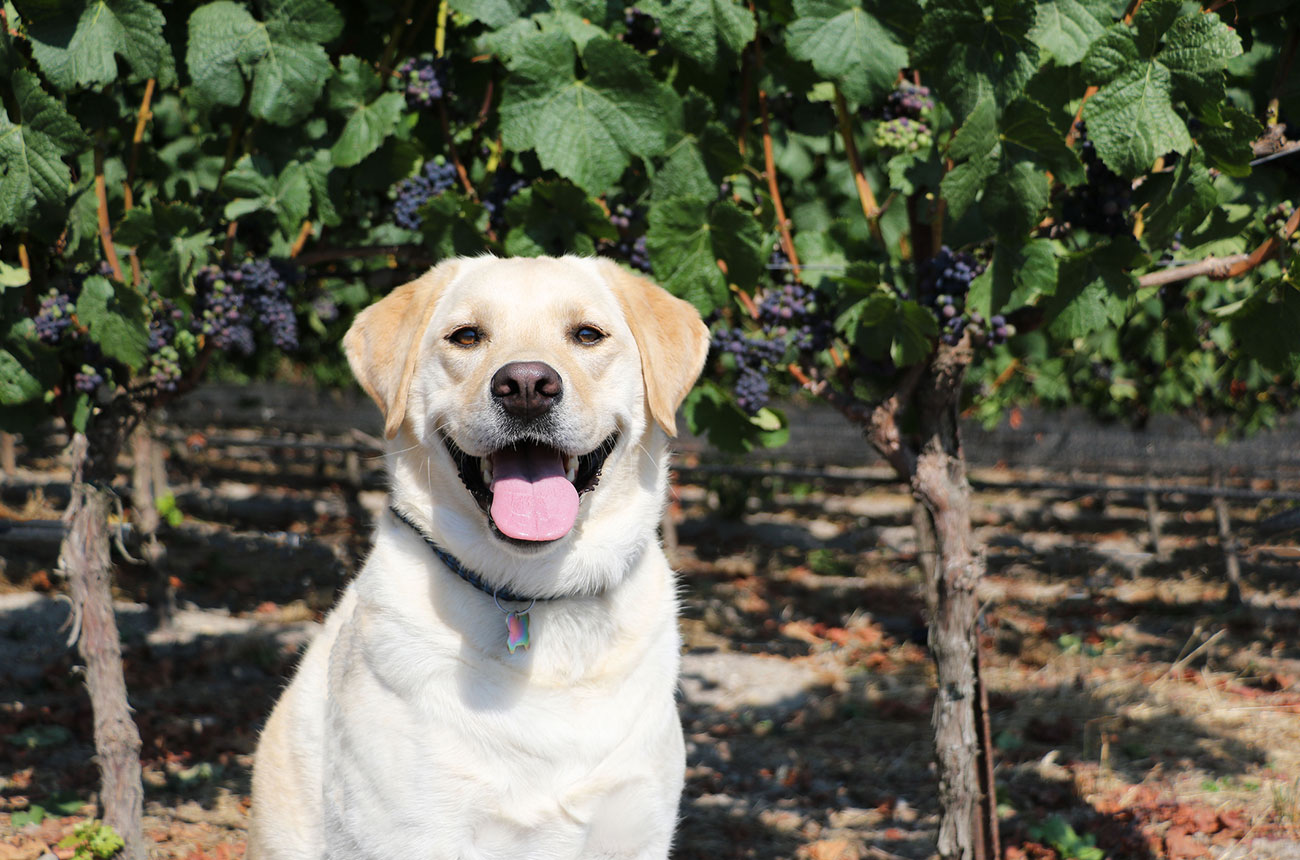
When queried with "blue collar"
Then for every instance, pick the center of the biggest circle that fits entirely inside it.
(453, 564)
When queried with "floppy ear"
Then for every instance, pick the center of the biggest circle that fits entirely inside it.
(671, 337)
(384, 342)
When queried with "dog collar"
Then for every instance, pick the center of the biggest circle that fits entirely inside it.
(517, 634)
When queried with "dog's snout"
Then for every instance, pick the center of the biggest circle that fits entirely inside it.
(526, 389)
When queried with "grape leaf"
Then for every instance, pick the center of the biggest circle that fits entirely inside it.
(1093, 290)
(585, 129)
(975, 56)
(76, 42)
(117, 320)
(1065, 29)
(693, 27)
(702, 154)
(976, 142)
(283, 55)
(555, 218)
(1176, 201)
(448, 225)
(170, 240)
(287, 196)
(370, 119)
(34, 179)
(1226, 136)
(686, 239)
(494, 13)
(847, 44)
(1131, 119)
(17, 385)
(1267, 329)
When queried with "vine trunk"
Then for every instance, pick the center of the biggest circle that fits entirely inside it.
(84, 558)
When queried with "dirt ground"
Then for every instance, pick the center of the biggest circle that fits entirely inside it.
(1136, 715)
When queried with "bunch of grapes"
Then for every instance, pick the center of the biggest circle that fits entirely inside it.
(266, 284)
(424, 81)
(219, 312)
(908, 101)
(164, 369)
(754, 356)
(436, 177)
(1275, 221)
(505, 185)
(88, 379)
(902, 134)
(643, 31)
(54, 319)
(1101, 205)
(629, 246)
(942, 284)
(229, 302)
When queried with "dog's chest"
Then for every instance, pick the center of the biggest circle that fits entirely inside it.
(476, 765)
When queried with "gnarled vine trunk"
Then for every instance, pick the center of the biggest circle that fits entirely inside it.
(930, 459)
(84, 558)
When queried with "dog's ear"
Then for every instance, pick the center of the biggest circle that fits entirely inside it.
(384, 342)
(671, 337)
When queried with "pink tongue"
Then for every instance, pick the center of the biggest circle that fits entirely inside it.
(531, 498)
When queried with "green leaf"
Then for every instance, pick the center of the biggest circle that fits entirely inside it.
(34, 180)
(693, 27)
(287, 196)
(283, 55)
(977, 142)
(686, 239)
(1013, 199)
(494, 13)
(555, 218)
(76, 42)
(1175, 201)
(117, 319)
(1065, 29)
(1225, 137)
(1093, 291)
(585, 129)
(1027, 132)
(17, 385)
(700, 158)
(448, 225)
(1132, 122)
(169, 241)
(977, 56)
(846, 43)
(367, 128)
(1266, 331)
(1199, 43)
(1016, 276)
(13, 276)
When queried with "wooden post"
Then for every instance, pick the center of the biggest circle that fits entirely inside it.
(1153, 522)
(1227, 543)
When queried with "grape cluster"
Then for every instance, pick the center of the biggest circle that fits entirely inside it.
(643, 31)
(1275, 220)
(54, 319)
(789, 319)
(228, 303)
(436, 177)
(942, 284)
(424, 81)
(902, 134)
(164, 369)
(1101, 205)
(909, 101)
(505, 185)
(88, 379)
(266, 283)
(629, 247)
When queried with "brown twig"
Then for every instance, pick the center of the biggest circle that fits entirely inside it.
(23, 259)
(1222, 268)
(128, 195)
(865, 195)
(229, 248)
(105, 231)
(769, 166)
(304, 233)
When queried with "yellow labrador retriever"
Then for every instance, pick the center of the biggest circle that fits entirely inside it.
(499, 680)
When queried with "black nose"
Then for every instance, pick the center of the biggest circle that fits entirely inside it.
(526, 389)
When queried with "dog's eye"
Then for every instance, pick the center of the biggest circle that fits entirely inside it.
(588, 335)
(465, 336)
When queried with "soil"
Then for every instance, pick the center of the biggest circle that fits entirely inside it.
(1136, 714)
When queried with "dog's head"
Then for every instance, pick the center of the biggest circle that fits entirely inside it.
(523, 396)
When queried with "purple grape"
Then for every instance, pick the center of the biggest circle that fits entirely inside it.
(54, 319)
(1101, 205)
(436, 177)
(424, 81)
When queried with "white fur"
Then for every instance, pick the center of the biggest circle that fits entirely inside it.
(409, 730)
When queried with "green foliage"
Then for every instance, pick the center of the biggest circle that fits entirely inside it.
(1058, 833)
(92, 840)
(283, 126)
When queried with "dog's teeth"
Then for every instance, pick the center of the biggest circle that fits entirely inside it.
(485, 468)
(571, 467)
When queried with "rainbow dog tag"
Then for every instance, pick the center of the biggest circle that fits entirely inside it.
(517, 630)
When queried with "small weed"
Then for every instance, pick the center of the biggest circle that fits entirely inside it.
(1286, 803)
(168, 510)
(826, 562)
(35, 737)
(1058, 833)
(60, 804)
(92, 840)
(1072, 643)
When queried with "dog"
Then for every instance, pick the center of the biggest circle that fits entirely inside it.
(499, 680)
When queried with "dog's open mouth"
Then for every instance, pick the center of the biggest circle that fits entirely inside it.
(530, 490)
